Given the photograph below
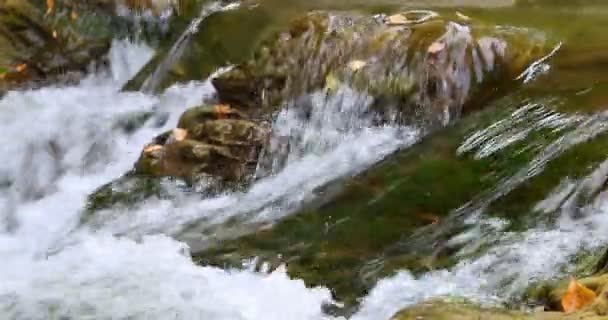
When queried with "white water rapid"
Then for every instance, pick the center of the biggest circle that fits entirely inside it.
(60, 144)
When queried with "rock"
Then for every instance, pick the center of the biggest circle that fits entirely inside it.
(440, 310)
(404, 212)
(209, 140)
(429, 68)
(553, 294)
(43, 45)
(128, 190)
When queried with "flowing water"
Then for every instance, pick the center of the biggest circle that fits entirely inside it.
(61, 144)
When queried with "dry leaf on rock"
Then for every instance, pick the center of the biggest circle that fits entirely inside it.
(577, 296)
(355, 65)
(397, 20)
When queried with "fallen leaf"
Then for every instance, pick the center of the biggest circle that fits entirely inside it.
(431, 217)
(179, 134)
(355, 65)
(463, 17)
(397, 20)
(436, 47)
(54, 34)
(74, 15)
(152, 147)
(331, 82)
(50, 6)
(21, 67)
(221, 110)
(577, 297)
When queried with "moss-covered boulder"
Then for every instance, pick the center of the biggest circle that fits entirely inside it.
(215, 141)
(422, 65)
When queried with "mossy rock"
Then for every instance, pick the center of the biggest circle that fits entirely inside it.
(127, 191)
(53, 45)
(395, 64)
(208, 141)
(403, 212)
(439, 310)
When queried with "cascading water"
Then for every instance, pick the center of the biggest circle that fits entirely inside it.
(151, 84)
(55, 271)
(62, 143)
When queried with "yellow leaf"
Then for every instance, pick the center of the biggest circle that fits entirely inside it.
(74, 15)
(331, 82)
(463, 17)
(577, 297)
(355, 65)
(397, 20)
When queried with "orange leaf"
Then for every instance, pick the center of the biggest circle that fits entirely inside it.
(577, 297)
(50, 5)
(221, 110)
(152, 147)
(21, 67)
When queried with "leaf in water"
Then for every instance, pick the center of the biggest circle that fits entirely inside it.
(21, 67)
(577, 297)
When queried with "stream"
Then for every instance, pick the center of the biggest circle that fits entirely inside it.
(61, 143)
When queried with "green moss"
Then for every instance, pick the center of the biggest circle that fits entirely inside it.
(128, 191)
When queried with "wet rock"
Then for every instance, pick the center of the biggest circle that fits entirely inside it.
(127, 191)
(421, 65)
(43, 45)
(440, 310)
(210, 140)
(551, 293)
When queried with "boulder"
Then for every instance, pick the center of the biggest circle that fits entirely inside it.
(50, 45)
(213, 141)
(441, 310)
(419, 64)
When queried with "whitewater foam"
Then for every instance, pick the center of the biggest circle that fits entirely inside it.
(60, 144)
